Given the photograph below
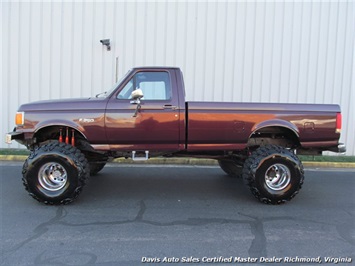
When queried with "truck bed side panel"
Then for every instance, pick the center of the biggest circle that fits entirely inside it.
(213, 125)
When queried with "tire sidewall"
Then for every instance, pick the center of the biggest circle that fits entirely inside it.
(276, 195)
(259, 162)
(67, 157)
(54, 196)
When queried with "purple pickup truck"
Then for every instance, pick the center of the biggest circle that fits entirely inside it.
(145, 115)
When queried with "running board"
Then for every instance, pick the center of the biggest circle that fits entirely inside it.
(140, 156)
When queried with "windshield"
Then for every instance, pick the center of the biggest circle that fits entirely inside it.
(108, 92)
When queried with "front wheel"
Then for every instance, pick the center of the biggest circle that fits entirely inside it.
(273, 174)
(55, 173)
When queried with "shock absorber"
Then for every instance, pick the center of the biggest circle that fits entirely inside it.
(67, 137)
(72, 138)
(60, 135)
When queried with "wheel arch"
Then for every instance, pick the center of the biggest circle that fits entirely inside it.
(278, 132)
(52, 131)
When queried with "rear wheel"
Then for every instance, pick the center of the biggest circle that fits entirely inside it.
(96, 167)
(55, 173)
(273, 174)
(231, 168)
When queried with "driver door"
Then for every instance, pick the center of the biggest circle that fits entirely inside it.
(156, 125)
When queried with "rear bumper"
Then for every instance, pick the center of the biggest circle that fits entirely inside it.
(341, 148)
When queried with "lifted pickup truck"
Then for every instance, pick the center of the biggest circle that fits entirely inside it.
(145, 115)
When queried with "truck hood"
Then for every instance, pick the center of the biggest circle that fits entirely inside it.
(65, 105)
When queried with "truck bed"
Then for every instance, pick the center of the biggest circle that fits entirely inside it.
(212, 124)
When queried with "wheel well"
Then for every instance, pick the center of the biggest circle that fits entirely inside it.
(54, 133)
(280, 136)
(71, 136)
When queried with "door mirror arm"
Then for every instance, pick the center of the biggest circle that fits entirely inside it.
(138, 102)
(136, 97)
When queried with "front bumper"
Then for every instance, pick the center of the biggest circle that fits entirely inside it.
(9, 137)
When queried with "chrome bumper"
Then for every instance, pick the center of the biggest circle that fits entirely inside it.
(341, 148)
(13, 136)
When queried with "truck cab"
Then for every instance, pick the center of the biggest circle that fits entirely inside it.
(157, 122)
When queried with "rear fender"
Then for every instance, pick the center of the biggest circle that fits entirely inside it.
(275, 123)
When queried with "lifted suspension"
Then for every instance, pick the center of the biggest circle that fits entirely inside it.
(67, 137)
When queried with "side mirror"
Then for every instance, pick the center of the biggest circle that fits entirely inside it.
(136, 96)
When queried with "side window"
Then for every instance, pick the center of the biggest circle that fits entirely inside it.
(125, 93)
(155, 86)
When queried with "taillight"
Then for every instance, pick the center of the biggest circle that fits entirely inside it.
(338, 123)
(20, 119)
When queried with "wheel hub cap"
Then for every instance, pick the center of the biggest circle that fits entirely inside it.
(277, 177)
(52, 176)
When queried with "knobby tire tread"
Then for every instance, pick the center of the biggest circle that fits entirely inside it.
(254, 160)
(67, 150)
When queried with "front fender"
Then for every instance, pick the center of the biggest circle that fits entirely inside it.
(60, 123)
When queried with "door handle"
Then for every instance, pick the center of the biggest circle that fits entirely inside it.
(169, 106)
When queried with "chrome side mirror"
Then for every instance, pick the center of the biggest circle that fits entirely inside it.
(136, 97)
(137, 94)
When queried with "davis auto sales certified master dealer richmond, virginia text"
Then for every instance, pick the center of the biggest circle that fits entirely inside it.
(221, 259)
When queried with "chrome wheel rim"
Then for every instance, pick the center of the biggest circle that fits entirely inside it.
(52, 176)
(277, 177)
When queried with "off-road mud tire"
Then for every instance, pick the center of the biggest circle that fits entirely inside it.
(231, 168)
(55, 173)
(273, 174)
(95, 168)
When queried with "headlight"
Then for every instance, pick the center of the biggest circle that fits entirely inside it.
(20, 118)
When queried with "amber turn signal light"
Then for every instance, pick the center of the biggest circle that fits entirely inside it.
(20, 118)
